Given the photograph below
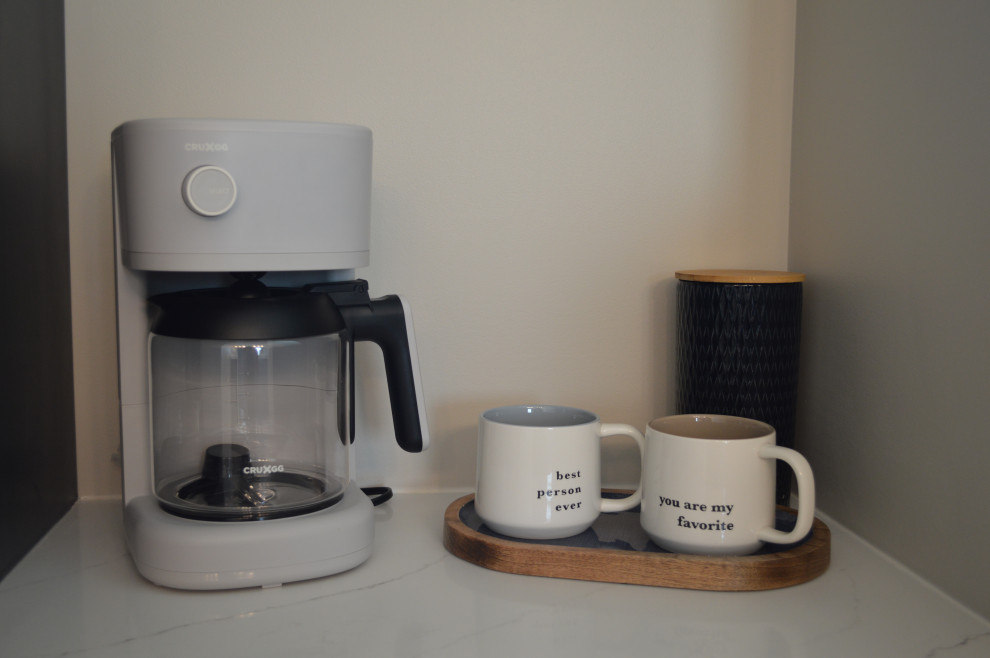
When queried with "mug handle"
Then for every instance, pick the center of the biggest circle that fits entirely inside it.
(632, 500)
(806, 495)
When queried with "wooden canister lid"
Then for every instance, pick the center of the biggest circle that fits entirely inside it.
(739, 276)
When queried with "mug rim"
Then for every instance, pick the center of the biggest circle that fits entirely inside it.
(539, 416)
(711, 427)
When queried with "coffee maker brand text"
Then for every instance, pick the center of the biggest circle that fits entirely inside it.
(263, 470)
(206, 146)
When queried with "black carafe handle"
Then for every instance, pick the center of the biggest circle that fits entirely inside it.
(386, 321)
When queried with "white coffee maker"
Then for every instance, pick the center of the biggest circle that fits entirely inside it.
(237, 314)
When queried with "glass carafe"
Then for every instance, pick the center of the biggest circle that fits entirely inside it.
(246, 428)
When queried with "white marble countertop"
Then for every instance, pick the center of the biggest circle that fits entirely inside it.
(78, 594)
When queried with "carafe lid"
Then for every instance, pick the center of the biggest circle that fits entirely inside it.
(247, 310)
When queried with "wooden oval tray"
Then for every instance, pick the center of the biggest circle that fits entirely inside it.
(617, 550)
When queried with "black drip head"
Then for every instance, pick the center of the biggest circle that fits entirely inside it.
(247, 286)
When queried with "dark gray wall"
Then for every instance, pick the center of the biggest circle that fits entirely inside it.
(37, 433)
(890, 192)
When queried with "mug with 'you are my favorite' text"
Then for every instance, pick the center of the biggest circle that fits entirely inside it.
(708, 485)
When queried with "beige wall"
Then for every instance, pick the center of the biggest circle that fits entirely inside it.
(541, 169)
(889, 219)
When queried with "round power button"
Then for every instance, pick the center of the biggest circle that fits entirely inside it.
(209, 190)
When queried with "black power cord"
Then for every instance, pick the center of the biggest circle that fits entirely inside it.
(378, 495)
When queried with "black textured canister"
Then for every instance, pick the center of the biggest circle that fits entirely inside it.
(738, 343)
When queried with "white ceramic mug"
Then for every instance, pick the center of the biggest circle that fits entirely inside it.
(709, 481)
(539, 470)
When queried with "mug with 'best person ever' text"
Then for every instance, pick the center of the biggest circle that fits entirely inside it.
(539, 470)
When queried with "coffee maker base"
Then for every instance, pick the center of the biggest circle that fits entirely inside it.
(201, 555)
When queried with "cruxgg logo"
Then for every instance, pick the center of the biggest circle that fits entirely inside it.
(263, 470)
(206, 146)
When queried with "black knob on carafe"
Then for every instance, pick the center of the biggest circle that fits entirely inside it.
(223, 474)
